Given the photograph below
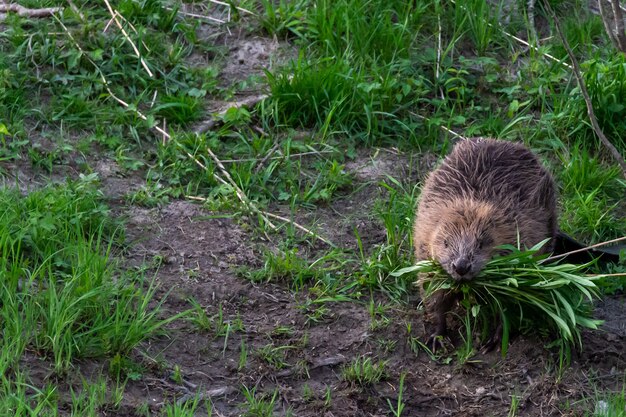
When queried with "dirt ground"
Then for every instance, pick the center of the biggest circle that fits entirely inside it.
(201, 252)
(200, 255)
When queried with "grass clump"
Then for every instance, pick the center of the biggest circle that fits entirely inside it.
(363, 371)
(61, 292)
(523, 293)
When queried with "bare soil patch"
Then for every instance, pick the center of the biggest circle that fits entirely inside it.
(200, 254)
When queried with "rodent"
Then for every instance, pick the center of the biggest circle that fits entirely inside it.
(485, 193)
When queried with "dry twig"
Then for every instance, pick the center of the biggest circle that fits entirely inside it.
(200, 16)
(25, 11)
(281, 218)
(597, 245)
(114, 15)
(613, 19)
(76, 10)
(450, 131)
(583, 89)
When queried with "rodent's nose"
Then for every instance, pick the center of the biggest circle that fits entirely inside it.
(461, 266)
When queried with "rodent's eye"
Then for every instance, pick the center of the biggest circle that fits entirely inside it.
(445, 243)
(485, 241)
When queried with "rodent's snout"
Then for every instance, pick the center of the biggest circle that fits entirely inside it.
(462, 267)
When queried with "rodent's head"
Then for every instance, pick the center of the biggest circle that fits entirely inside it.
(465, 239)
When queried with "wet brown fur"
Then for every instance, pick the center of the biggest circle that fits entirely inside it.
(486, 193)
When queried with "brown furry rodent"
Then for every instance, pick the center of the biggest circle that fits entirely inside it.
(486, 193)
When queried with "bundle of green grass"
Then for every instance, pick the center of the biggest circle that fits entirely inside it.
(522, 291)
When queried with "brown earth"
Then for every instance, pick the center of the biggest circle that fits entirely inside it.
(200, 256)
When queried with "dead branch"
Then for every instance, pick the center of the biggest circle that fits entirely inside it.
(450, 131)
(597, 245)
(114, 16)
(583, 89)
(530, 11)
(25, 11)
(281, 218)
(613, 20)
(298, 226)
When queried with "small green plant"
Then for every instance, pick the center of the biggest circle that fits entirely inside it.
(307, 393)
(243, 355)
(275, 356)
(515, 400)
(609, 405)
(396, 215)
(377, 315)
(185, 409)
(284, 18)
(328, 397)
(466, 350)
(477, 16)
(258, 405)
(199, 317)
(399, 408)
(363, 371)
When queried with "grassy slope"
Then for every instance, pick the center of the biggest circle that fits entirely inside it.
(376, 73)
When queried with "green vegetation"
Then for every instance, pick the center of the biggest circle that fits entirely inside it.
(363, 371)
(518, 291)
(62, 294)
(350, 103)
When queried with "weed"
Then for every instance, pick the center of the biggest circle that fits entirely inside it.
(199, 317)
(328, 397)
(610, 404)
(387, 345)
(476, 16)
(465, 352)
(515, 401)
(377, 315)
(185, 409)
(275, 356)
(284, 18)
(396, 215)
(399, 408)
(243, 355)
(363, 371)
(258, 405)
(307, 393)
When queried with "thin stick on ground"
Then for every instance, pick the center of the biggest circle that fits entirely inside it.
(583, 89)
(597, 245)
(25, 11)
(291, 155)
(439, 48)
(450, 131)
(241, 9)
(281, 218)
(114, 15)
(199, 16)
